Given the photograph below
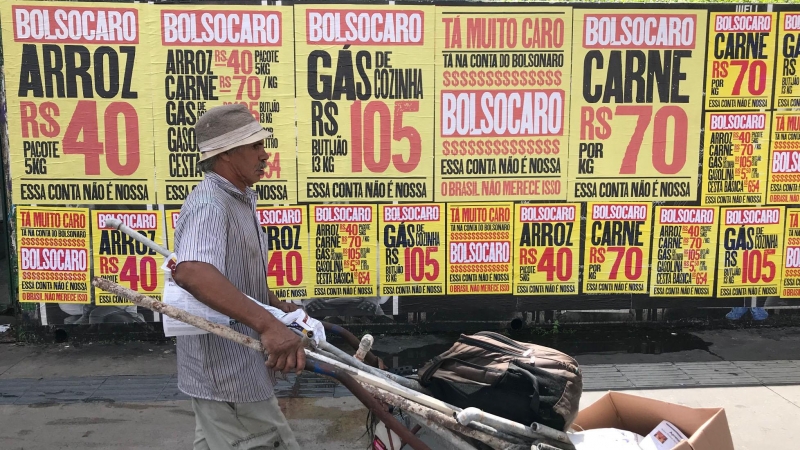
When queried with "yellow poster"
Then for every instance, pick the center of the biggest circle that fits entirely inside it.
(790, 279)
(479, 242)
(364, 102)
(79, 112)
(345, 255)
(784, 161)
(735, 158)
(684, 251)
(119, 258)
(288, 261)
(546, 245)
(637, 86)
(617, 249)
(207, 56)
(787, 78)
(502, 102)
(741, 56)
(749, 261)
(412, 249)
(172, 222)
(53, 254)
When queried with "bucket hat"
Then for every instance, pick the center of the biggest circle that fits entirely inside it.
(226, 127)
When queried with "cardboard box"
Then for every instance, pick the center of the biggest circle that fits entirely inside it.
(707, 428)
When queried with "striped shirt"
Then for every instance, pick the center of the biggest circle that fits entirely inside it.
(218, 225)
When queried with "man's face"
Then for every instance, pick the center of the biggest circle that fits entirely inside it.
(249, 161)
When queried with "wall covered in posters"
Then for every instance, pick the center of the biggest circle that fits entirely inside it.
(417, 149)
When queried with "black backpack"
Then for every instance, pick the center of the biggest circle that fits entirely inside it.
(522, 382)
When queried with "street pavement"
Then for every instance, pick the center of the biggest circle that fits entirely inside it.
(123, 396)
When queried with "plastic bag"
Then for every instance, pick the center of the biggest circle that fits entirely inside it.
(605, 439)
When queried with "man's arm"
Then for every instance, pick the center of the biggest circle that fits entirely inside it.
(209, 286)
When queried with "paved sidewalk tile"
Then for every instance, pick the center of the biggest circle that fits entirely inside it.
(604, 377)
(656, 375)
(721, 373)
(773, 372)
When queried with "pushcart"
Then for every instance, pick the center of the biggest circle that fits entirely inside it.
(407, 410)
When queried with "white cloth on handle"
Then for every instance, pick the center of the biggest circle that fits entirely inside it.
(298, 321)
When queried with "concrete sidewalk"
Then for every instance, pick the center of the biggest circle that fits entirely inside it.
(123, 396)
(763, 417)
(320, 423)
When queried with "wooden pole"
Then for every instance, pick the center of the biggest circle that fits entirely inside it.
(176, 313)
